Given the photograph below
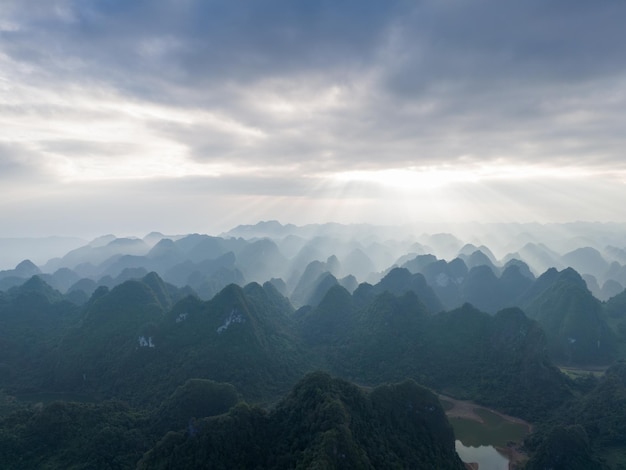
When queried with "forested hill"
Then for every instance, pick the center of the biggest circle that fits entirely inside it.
(321, 423)
(144, 339)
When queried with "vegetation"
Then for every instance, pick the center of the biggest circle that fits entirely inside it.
(167, 371)
(322, 423)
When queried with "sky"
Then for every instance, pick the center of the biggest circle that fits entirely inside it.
(128, 116)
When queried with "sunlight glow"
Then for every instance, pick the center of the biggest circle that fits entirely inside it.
(430, 177)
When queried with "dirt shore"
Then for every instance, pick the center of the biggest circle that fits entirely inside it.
(467, 409)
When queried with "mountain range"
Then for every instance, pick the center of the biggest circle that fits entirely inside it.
(151, 333)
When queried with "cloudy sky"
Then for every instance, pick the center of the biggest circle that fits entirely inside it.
(130, 116)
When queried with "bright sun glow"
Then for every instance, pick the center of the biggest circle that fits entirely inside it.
(411, 178)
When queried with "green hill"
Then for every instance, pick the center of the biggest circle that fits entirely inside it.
(33, 320)
(498, 360)
(322, 423)
(572, 319)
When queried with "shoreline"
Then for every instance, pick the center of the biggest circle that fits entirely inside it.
(466, 409)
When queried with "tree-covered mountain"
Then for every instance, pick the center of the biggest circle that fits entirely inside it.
(322, 423)
(498, 360)
(572, 319)
(33, 321)
(588, 431)
(132, 344)
(108, 435)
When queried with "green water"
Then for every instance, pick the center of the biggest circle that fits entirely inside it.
(477, 442)
(495, 431)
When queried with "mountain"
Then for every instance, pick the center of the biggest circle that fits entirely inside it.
(445, 278)
(270, 228)
(33, 319)
(98, 251)
(481, 288)
(15, 277)
(108, 435)
(400, 280)
(39, 250)
(322, 423)
(499, 360)
(141, 340)
(603, 411)
(444, 245)
(314, 273)
(567, 448)
(572, 319)
(478, 258)
(539, 257)
(587, 432)
(587, 260)
(357, 263)
(101, 352)
(261, 260)
(330, 320)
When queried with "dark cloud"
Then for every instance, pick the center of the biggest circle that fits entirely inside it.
(201, 42)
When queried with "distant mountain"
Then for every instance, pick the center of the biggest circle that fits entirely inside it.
(469, 249)
(97, 252)
(40, 250)
(261, 260)
(357, 263)
(587, 260)
(15, 277)
(444, 245)
(62, 279)
(270, 228)
(483, 286)
(478, 258)
(539, 257)
(399, 281)
(313, 284)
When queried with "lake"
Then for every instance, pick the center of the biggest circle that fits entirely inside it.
(487, 457)
(480, 433)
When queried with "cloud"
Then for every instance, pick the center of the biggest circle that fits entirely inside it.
(18, 165)
(274, 98)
